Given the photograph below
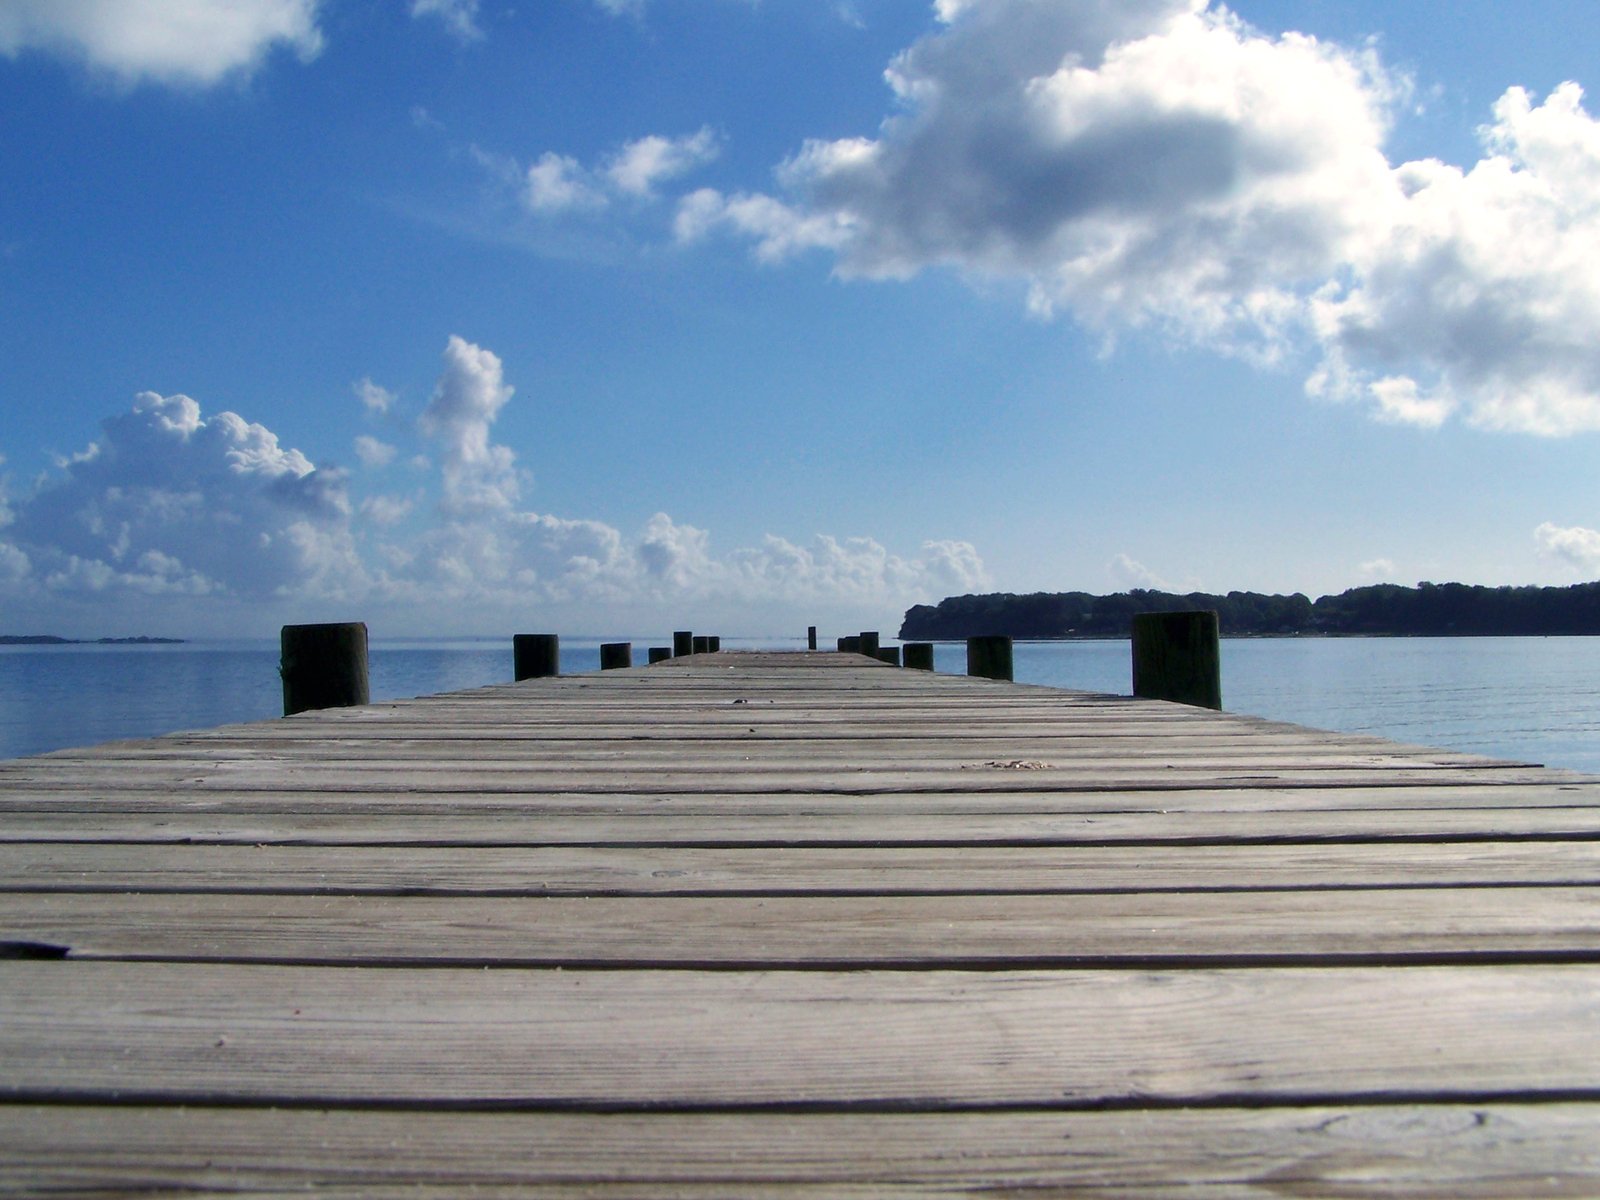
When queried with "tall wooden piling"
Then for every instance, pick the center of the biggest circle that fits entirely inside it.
(535, 655)
(989, 657)
(868, 643)
(616, 655)
(323, 666)
(917, 655)
(682, 643)
(811, 637)
(1177, 656)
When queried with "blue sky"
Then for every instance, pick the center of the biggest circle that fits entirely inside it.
(605, 316)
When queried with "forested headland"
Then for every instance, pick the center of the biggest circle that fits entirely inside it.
(1429, 609)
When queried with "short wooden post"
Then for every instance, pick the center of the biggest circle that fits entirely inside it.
(535, 655)
(660, 654)
(989, 657)
(811, 637)
(714, 643)
(701, 644)
(850, 645)
(868, 644)
(842, 641)
(917, 655)
(1177, 656)
(615, 656)
(323, 666)
(682, 643)
(890, 655)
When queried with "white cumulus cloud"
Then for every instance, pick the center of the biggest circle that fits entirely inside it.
(1161, 164)
(1481, 300)
(193, 43)
(471, 391)
(560, 184)
(172, 514)
(557, 183)
(1132, 163)
(168, 501)
(1574, 545)
(640, 165)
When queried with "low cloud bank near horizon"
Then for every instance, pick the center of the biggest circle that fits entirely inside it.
(176, 511)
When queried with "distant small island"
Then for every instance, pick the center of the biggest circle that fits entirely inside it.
(45, 639)
(1427, 610)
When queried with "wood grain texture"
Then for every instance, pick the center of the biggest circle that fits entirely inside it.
(868, 870)
(932, 1038)
(795, 925)
(1386, 1150)
(760, 932)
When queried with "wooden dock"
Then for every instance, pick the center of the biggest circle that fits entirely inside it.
(795, 925)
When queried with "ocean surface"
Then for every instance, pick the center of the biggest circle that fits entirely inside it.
(1531, 699)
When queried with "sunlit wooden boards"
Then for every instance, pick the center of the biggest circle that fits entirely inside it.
(795, 925)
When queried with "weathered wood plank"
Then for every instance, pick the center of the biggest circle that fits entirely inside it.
(170, 1033)
(504, 821)
(996, 775)
(779, 753)
(1496, 1150)
(968, 932)
(1269, 801)
(862, 870)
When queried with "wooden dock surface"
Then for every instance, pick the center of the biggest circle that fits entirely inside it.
(795, 925)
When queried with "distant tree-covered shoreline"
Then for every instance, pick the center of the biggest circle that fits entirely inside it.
(1429, 609)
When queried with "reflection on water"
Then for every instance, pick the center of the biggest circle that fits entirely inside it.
(1535, 699)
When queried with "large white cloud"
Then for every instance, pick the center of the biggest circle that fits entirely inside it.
(1131, 162)
(1158, 163)
(185, 42)
(167, 501)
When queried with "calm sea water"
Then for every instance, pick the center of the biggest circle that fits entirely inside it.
(1535, 699)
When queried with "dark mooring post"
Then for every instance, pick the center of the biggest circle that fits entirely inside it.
(917, 655)
(811, 637)
(616, 655)
(850, 645)
(714, 643)
(1177, 656)
(323, 666)
(535, 655)
(868, 643)
(660, 654)
(700, 644)
(890, 655)
(989, 657)
(682, 643)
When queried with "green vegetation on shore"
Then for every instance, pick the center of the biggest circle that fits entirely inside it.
(1436, 609)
